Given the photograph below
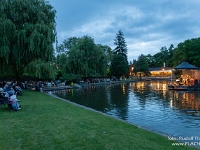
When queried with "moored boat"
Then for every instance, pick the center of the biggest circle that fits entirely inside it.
(183, 88)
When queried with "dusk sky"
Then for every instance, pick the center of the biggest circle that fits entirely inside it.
(147, 25)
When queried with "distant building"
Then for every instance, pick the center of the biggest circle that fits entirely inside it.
(160, 71)
(131, 69)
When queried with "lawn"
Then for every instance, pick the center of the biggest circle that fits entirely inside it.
(48, 123)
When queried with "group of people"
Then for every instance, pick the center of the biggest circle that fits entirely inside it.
(187, 80)
(8, 95)
(97, 80)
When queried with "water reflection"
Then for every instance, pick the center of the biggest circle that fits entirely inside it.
(119, 100)
(148, 104)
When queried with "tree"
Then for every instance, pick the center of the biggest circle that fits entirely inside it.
(164, 56)
(40, 69)
(119, 67)
(86, 58)
(151, 61)
(61, 63)
(67, 45)
(161, 57)
(108, 52)
(141, 66)
(187, 51)
(121, 47)
(170, 56)
(28, 31)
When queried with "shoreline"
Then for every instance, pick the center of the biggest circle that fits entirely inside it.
(80, 85)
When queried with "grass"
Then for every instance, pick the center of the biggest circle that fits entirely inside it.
(45, 122)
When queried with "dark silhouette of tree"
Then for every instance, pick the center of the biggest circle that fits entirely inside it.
(119, 64)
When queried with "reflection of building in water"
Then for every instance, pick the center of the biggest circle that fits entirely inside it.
(156, 87)
(123, 88)
(186, 101)
(180, 100)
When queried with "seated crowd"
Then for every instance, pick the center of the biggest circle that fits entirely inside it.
(8, 92)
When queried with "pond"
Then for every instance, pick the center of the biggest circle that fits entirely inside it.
(148, 104)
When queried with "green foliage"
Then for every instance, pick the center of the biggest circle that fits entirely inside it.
(108, 52)
(67, 45)
(161, 57)
(40, 69)
(58, 74)
(84, 57)
(169, 62)
(188, 51)
(141, 66)
(164, 56)
(27, 33)
(108, 73)
(118, 66)
(62, 62)
(151, 60)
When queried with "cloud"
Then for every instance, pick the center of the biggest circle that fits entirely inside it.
(147, 25)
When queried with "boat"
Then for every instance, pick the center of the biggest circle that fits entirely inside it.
(181, 88)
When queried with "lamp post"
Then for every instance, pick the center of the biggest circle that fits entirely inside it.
(171, 75)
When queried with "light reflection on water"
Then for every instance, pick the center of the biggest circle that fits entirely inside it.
(148, 104)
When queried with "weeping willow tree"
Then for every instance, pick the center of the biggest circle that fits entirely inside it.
(27, 33)
(86, 58)
(40, 69)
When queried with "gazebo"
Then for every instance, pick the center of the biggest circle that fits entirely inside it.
(186, 65)
(189, 72)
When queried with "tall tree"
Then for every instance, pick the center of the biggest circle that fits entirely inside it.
(27, 33)
(121, 47)
(120, 52)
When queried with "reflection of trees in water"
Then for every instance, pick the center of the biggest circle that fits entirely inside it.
(91, 96)
(119, 96)
(114, 98)
(96, 97)
(184, 100)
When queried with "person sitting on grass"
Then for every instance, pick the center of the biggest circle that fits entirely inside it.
(12, 99)
(13, 103)
(8, 88)
(3, 97)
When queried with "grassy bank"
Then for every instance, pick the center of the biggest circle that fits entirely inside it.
(46, 122)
